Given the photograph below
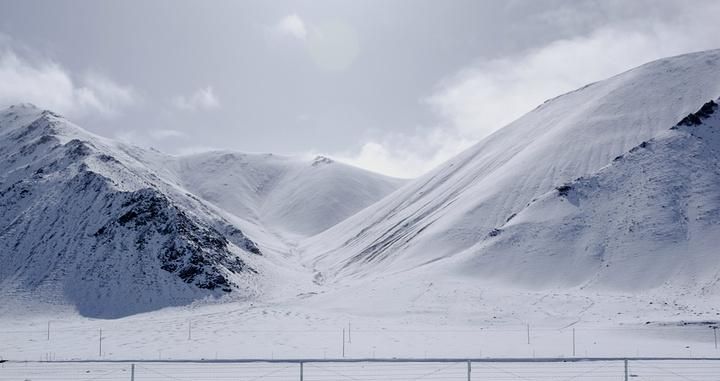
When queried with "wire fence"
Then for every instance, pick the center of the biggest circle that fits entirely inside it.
(521, 369)
(51, 341)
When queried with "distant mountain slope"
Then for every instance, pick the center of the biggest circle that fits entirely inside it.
(83, 222)
(457, 205)
(115, 229)
(293, 195)
(650, 218)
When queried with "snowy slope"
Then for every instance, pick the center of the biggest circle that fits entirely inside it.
(458, 204)
(115, 229)
(84, 223)
(293, 196)
(650, 218)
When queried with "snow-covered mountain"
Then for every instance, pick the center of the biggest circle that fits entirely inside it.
(115, 229)
(648, 219)
(295, 196)
(83, 222)
(459, 205)
(590, 188)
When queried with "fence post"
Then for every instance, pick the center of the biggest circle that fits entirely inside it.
(132, 372)
(626, 370)
(301, 371)
(528, 334)
(469, 366)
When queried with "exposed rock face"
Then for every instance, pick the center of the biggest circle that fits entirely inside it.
(196, 253)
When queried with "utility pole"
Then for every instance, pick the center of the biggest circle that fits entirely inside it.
(626, 370)
(469, 366)
(343, 341)
(48, 332)
(349, 330)
(715, 335)
(189, 330)
(573, 342)
(301, 371)
(132, 372)
(528, 334)
(100, 345)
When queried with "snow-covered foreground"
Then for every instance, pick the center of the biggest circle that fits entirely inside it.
(382, 319)
(385, 318)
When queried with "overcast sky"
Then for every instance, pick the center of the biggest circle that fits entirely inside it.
(392, 86)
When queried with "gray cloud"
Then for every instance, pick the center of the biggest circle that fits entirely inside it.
(491, 93)
(202, 99)
(165, 133)
(486, 96)
(396, 86)
(49, 85)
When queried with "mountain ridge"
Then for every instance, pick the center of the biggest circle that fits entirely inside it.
(115, 229)
(89, 222)
(645, 220)
(458, 204)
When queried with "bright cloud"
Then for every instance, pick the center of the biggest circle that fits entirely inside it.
(491, 94)
(202, 99)
(332, 45)
(292, 25)
(50, 86)
(406, 156)
(488, 95)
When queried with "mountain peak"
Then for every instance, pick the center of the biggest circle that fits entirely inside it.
(640, 222)
(87, 217)
(451, 209)
(321, 160)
